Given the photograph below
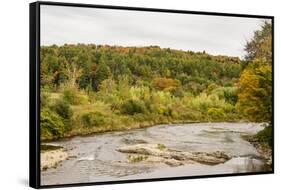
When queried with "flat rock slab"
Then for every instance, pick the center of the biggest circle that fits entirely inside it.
(175, 157)
(50, 159)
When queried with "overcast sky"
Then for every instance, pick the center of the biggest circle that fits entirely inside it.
(216, 35)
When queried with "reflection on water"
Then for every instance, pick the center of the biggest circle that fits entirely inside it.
(94, 158)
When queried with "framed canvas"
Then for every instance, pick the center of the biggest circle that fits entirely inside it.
(126, 94)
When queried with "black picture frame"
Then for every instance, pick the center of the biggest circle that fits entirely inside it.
(34, 91)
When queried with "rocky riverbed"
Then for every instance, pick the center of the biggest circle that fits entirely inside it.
(172, 157)
(157, 152)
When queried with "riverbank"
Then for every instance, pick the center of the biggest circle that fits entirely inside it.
(263, 149)
(81, 131)
(52, 156)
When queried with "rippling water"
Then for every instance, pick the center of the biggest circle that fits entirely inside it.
(94, 158)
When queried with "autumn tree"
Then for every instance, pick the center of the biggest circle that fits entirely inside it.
(102, 73)
(73, 73)
(167, 84)
(107, 86)
(260, 45)
(255, 97)
(49, 69)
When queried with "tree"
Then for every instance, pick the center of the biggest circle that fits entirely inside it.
(167, 84)
(102, 73)
(108, 86)
(73, 73)
(49, 69)
(256, 92)
(261, 43)
(255, 97)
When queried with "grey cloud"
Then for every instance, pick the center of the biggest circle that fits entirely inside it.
(214, 34)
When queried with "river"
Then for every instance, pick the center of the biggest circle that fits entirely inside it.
(94, 158)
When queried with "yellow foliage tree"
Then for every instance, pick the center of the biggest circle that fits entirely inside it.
(166, 84)
(255, 97)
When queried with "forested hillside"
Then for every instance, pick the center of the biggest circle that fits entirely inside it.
(95, 63)
(96, 88)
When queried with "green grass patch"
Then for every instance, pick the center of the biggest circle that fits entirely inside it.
(161, 146)
(137, 158)
(45, 147)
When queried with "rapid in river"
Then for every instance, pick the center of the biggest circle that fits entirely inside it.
(95, 158)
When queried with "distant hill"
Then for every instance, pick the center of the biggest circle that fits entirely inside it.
(195, 70)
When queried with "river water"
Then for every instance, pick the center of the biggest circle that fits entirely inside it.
(94, 158)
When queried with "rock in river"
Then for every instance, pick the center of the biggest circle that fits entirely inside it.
(175, 157)
(51, 158)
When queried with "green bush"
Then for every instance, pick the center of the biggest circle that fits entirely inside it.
(193, 115)
(70, 96)
(44, 99)
(163, 110)
(132, 107)
(93, 119)
(231, 95)
(202, 102)
(73, 97)
(265, 136)
(63, 108)
(211, 88)
(216, 113)
(51, 124)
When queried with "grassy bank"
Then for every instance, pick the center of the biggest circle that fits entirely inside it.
(262, 141)
(73, 112)
(82, 131)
